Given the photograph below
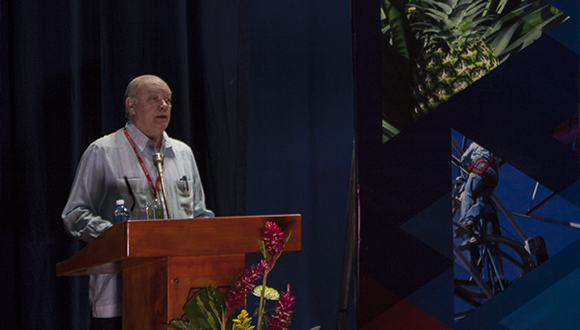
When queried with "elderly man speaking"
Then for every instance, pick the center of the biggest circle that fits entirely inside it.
(120, 166)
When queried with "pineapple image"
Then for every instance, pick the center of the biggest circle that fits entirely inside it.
(433, 49)
(454, 52)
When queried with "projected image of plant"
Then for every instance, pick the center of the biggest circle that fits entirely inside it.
(433, 49)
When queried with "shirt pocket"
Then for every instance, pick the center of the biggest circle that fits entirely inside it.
(185, 196)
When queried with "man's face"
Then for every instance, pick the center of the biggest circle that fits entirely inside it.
(151, 109)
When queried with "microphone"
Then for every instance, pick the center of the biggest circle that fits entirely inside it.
(158, 162)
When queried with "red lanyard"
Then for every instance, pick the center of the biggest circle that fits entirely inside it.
(154, 187)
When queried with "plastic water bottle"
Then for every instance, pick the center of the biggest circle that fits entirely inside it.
(121, 213)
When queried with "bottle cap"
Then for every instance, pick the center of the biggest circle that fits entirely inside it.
(120, 201)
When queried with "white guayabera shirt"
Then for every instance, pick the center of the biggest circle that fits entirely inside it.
(109, 170)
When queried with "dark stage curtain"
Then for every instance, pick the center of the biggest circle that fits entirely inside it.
(64, 67)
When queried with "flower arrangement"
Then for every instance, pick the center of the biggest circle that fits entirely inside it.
(212, 310)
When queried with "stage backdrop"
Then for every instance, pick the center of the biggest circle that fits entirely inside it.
(512, 88)
(262, 93)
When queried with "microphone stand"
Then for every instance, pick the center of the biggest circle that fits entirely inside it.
(158, 162)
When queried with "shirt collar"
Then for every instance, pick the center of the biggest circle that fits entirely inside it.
(141, 140)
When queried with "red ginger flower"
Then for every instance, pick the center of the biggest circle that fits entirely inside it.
(274, 240)
(281, 315)
(237, 294)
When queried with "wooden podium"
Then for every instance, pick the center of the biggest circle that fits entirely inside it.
(161, 260)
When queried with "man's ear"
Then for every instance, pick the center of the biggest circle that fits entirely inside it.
(129, 103)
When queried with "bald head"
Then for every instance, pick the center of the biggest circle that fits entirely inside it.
(133, 87)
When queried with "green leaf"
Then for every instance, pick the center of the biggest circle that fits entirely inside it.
(502, 40)
(204, 310)
(230, 321)
(395, 25)
(435, 14)
(287, 238)
(521, 26)
(177, 324)
(496, 7)
(180, 324)
(263, 249)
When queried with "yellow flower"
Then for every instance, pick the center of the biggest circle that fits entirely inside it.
(242, 322)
